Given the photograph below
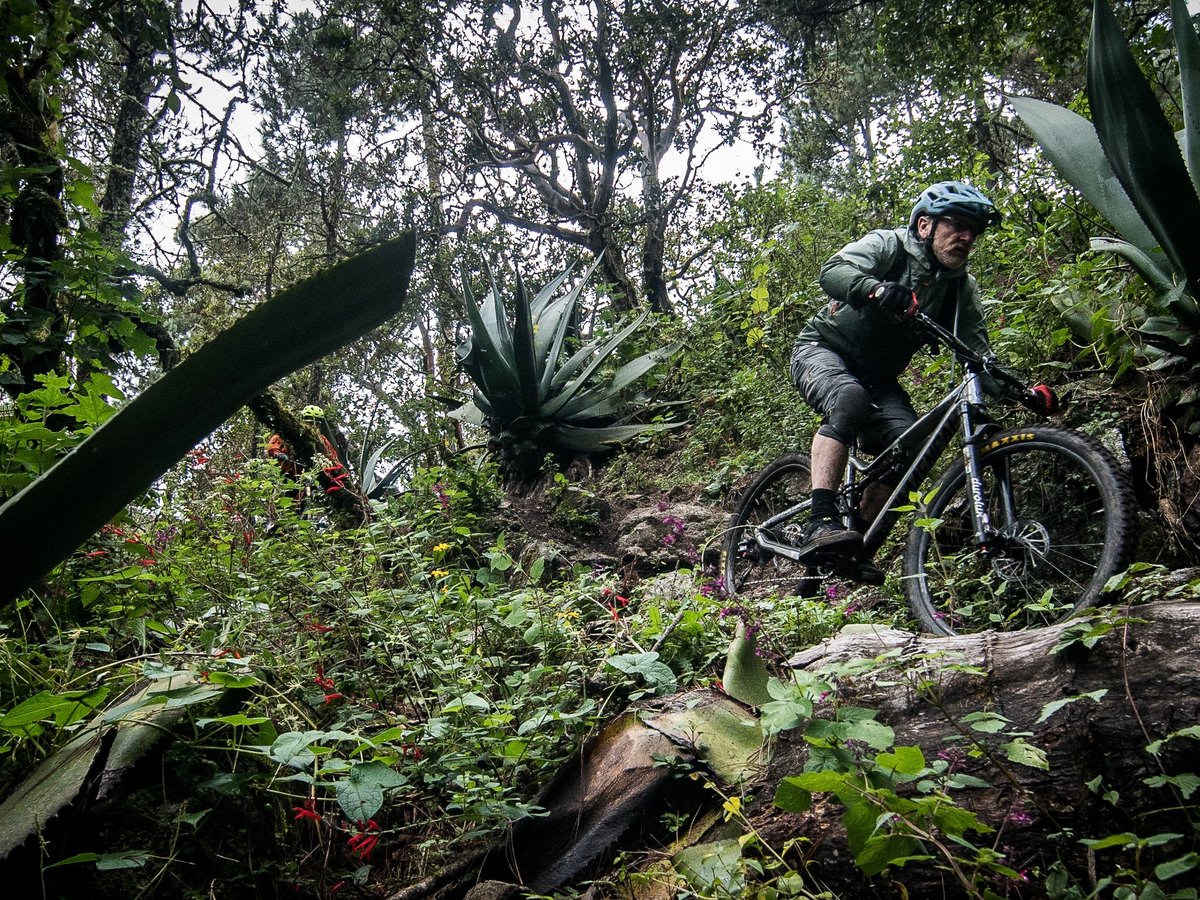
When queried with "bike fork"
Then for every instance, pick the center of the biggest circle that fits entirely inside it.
(973, 467)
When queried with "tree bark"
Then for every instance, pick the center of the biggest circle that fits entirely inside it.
(1148, 665)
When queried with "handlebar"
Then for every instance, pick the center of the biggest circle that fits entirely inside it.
(973, 361)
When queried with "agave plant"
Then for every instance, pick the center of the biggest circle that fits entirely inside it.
(1133, 168)
(534, 397)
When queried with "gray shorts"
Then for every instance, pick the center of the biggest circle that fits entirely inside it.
(821, 375)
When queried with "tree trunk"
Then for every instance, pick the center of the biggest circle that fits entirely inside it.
(37, 223)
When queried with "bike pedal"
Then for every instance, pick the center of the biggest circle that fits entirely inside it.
(871, 574)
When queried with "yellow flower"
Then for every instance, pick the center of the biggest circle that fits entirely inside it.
(568, 614)
(438, 548)
(438, 573)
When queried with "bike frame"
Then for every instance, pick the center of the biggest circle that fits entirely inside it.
(954, 413)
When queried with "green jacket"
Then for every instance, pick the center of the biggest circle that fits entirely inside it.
(870, 340)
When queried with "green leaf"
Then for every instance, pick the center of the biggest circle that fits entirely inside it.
(902, 761)
(1124, 839)
(986, 722)
(124, 859)
(236, 719)
(292, 749)
(886, 850)
(657, 675)
(874, 734)
(1073, 146)
(53, 515)
(469, 700)
(825, 781)
(784, 715)
(360, 794)
(1055, 705)
(1186, 783)
(792, 798)
(1026, 754)
(712, 869)
(64, 709)
(1177, 866)
(1140, 145)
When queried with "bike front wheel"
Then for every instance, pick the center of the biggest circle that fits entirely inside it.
(779, 499)
(1062, 523)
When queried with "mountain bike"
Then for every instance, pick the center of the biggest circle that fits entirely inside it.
(1024, 530)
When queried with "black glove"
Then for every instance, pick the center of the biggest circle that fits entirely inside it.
(895, 299)
(1041, 399)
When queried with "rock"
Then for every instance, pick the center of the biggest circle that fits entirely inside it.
(668, 536)
(493, 890)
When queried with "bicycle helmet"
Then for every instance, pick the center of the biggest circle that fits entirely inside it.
(312, 411)
(949, 197)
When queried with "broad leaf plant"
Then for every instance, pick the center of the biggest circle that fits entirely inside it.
(1133, 168)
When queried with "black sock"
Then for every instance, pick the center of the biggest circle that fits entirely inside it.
(824, 504)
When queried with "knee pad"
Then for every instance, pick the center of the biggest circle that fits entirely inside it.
(847, 414)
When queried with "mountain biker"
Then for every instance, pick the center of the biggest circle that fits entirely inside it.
(847, 358)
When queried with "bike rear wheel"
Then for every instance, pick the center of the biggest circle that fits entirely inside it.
(779, 499)
(1063, 518)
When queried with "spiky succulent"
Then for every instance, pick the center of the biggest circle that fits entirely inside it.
(1130, 167)
(532, 393)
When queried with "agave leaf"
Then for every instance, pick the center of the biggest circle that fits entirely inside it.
(524, 360)
(468, 412)
(54, 514)
(1150, 270)
(493, 313)
(1140, 145)
(1071, 143)
(546, 294)
(1188, 45)
(479, 355)
(621, 379)
(367, 464)
(487, 356)
(553, 328)
(598, 357)
(592, 440)
(1165, 332)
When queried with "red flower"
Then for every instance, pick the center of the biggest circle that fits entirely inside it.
(146, 562)
(92, 554)
(362, 843)
(307, 810)
(311, 624)
(609, 592)
(329, 698)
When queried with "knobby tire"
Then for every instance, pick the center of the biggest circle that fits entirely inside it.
(751, 572)
(1073, 530)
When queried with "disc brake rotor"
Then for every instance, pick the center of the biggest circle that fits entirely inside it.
(1027, 546)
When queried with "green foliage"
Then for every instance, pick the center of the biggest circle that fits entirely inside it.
(30, 442)
(531, 399)
(1130, 167)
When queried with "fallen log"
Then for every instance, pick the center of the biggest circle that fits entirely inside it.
(1050, 727)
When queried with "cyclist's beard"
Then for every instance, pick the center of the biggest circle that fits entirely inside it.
(948, 248)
